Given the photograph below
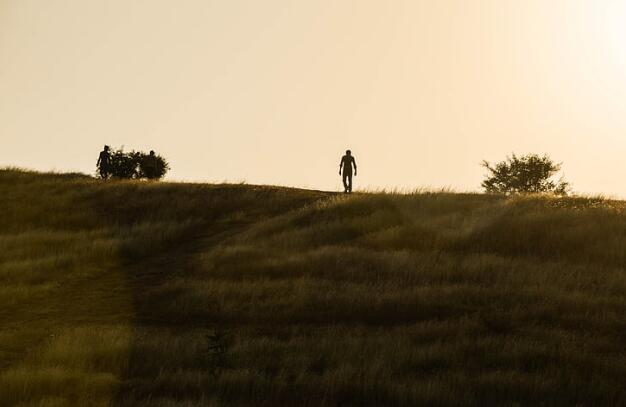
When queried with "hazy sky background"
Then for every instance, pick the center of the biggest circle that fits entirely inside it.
(273, 92)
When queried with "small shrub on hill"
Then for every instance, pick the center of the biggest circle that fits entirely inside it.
(134, 165)
(530, 173)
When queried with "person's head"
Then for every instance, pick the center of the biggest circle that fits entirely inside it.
(151, 152)
(348, 152)
(106, 148)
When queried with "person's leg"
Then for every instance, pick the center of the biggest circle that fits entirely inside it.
(350, 183)
(345, 182)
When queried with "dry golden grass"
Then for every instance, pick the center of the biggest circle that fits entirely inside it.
(109, 294)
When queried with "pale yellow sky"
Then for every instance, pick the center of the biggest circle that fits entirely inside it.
(274, 91)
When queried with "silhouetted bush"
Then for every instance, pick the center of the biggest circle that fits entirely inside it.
(123, 165)
(132, 165)
(529, 173)
(159, 169)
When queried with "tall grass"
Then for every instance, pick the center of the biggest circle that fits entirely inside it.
(432, 298)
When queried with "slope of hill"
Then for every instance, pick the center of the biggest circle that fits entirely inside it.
(133, 293)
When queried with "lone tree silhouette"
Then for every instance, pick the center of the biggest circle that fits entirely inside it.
(130, 165)
(526, 174)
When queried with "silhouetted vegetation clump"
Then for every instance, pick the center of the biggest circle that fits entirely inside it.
(531, 173)
(218, 344)
(133, 165)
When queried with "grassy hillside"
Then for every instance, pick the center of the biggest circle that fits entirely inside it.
(132, 293)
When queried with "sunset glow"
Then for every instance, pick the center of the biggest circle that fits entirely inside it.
(274, 92)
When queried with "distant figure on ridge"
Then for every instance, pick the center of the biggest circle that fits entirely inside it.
(150, 165)
(104, 163)
(347, 161)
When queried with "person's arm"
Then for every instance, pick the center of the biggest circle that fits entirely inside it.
(354, 162)
(340, 165)
(98, 162)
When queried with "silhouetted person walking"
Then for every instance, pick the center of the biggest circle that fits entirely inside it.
(347, 161)
(150, 165)
(104, 163)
